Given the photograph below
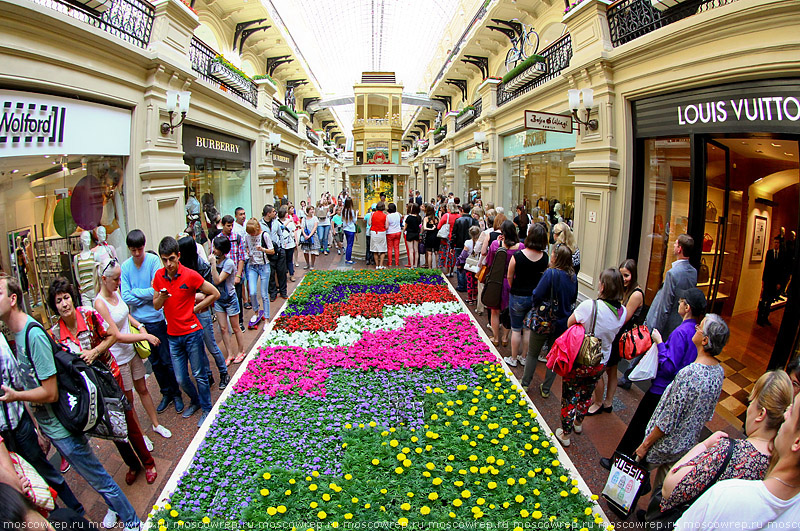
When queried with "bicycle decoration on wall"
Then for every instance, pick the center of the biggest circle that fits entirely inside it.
(524, 40)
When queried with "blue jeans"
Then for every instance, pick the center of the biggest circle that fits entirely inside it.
(255, 272)
(518, 307)
(161, 360)
(351, 237)
(211, 342)
(185, 350)
(77, 451)
(323, 231)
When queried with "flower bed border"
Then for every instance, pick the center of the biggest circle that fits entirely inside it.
(186, 460)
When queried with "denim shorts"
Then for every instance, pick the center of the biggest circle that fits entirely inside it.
(228, 304)
(518, 307)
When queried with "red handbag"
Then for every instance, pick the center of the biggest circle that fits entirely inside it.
(635, 342)
(708, 243)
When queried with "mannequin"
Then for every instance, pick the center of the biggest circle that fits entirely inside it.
(83, 267)
(103, 252)
(557, 210)
(193, 212)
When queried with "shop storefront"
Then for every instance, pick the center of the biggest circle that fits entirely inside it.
(62, 163)
(283, 163)
(469, 162)
(219, 173)
(721, 164)
(538, 165)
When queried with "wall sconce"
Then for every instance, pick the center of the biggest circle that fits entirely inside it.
(574, 96)
(273, 143)
(176, 100)
(480, 141)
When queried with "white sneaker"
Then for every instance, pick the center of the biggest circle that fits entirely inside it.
(542, 358)
(522, 361)
(559, 435)
(110, 520)
(148, 443)
(163, 431)
(511, 362)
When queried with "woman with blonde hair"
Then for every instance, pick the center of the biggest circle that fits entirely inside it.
(719, 457)
(563, 235)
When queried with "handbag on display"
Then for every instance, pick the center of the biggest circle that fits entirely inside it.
(540, 318)
(623, 484)
(703, 274)
(711, 211)
(708, 243)
(635, 342)
(591, 353)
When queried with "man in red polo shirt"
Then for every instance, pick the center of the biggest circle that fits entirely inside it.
(175, 289)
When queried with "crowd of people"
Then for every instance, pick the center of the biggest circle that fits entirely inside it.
(522, 271)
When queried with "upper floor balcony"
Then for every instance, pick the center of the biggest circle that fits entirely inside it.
(630, 19)
(209, 69)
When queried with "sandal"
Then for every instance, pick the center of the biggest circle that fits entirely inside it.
(239, 358)
(150, 475)
(131, 476)
(228, 362)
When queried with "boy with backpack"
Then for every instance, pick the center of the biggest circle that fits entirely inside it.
(40, 389)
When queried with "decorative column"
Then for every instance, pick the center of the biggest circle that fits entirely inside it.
(161, 168)
(598, 225)
(490, 183)
(265, 171)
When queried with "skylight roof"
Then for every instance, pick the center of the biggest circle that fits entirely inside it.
(342, 38)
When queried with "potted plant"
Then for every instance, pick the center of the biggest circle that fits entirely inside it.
(525, 72)
(465, 114)
(222, 70)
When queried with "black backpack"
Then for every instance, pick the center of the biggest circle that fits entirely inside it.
(89, 398)
(493, 291)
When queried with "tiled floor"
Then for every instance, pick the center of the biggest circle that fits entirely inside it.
(599, 438)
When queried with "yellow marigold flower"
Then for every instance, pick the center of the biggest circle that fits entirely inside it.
(500, 462)
(448, 468)
(264, 492)
(522, 481)
(480, 501)
(348, 516)
(162, 528)
(403, 522)
(426, 473)
(563, 494)
(312, 487)
(553, 450)
(322, 515)
(556, 462)
(173, 513)
(430, 466)
(545, 444)
(466, 494)
(587, 511)
(334, 524)
(398, 470)
(367, 506)
(473, 469)
(406, 463)
(281, 509)
(425, 510)
(401, 456)
(376, 462)
(326, 497)
(437, 481)
(457, 502)
(524, 513)
(519, 498)
(574, 490)
(347, 476)
(292, 481)
(266, 475)
(272, 511)
(348, 426)
(206, 520)
(536, 515)
(452, 514)
(313, 505)
(536, 492)
(405, 506)
(510, 481)
(433, 496)
(393, 443)
(492, 485)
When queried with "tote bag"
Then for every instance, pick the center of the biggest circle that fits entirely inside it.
(623, 484)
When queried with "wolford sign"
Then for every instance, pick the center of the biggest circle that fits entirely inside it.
(771, 106)
(751, 109)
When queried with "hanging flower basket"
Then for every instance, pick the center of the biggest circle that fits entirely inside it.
(530, 69)
(468, 114)
(224, 74)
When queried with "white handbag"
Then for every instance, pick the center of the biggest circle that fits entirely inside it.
(473, 262)
(444, 232)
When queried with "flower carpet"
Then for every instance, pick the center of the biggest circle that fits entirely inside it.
(375, 399)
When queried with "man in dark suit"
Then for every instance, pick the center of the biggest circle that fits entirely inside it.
(771, 281)
(418, 199)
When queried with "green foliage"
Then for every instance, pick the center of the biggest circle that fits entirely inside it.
(520, 68)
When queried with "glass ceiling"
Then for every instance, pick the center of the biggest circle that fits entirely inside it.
(342, 38)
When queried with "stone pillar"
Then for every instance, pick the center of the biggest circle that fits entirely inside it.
(598, 225)
(491, 185)
(161, 168)
(266, 92)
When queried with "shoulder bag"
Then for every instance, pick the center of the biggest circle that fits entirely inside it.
(667, 519)
(142, 347)
(473, 261)
(444, 232)
(590, 354)
(493, 292)
(541, 317)
(635, 342)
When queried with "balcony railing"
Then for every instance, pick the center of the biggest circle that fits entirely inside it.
(556, 57)
(129, 20)
(630, 19)
(312, 137)
(201, 55)
(476, 111)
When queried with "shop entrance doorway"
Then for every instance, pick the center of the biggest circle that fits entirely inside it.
(738, 196)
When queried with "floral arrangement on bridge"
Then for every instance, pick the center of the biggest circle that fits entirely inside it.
(392, 410)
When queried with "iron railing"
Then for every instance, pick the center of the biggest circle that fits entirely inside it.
(129, 20)
(630, 19)
(457, 47)
(556, 57)
(201, 55)
(441, 135)
(312, 137)
(478, 107)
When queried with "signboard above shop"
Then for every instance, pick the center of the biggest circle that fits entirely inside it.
(434, 160)
(205, 143)
(315, 160)
(545, 121)
(767, 106)
(37, 124)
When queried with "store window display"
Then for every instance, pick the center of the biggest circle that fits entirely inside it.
(543, 181)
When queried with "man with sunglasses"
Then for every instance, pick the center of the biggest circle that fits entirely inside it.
(137, 276)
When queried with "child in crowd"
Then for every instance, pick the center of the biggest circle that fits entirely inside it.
(338, 232)
(472, 247)
(223, 271)
(259, 247)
